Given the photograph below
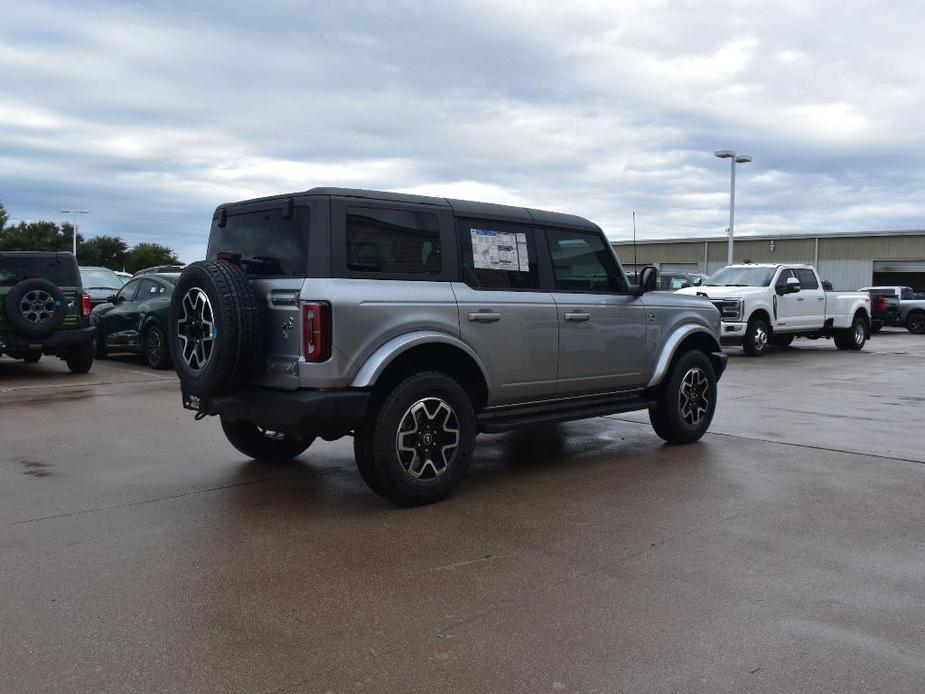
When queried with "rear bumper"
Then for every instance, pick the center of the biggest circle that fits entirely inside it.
(321, 412)
(56, 342)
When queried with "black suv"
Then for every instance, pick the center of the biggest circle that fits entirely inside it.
(44, 310)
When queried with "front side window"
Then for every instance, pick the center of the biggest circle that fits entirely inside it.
(807, 279)
(393, 242)
(582, 262)
(127, 293)
(497, 255)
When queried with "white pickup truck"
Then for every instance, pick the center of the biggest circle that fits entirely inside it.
(772, 304)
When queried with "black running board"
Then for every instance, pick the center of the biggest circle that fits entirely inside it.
(500, 419)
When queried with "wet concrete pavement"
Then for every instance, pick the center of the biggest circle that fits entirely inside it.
(784, 553)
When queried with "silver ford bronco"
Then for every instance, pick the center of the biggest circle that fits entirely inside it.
(414, 323)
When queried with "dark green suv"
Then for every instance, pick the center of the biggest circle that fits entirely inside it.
(44, 310)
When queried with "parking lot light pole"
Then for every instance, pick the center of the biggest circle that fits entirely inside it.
(74, 214)
(733, 160)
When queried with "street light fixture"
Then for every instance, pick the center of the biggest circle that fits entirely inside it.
(734, 159)
(74, 214)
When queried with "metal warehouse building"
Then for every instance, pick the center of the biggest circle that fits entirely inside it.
(848, 260)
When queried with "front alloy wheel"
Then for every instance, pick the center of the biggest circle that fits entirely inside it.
(694, 398)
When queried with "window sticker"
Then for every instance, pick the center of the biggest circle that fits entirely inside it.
(499, 250)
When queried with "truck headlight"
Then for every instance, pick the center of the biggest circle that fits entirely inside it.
(729, 309)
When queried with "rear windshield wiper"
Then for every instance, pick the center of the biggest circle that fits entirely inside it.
(263, 263)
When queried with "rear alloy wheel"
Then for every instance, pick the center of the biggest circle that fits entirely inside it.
(757, 336)
(915, 323)
(686, 399)
(854, 337)
(155, 348)
(416, 447)
(260, 443)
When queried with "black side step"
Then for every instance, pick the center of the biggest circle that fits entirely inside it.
(493, 421)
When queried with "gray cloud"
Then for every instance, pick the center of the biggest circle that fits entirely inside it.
(151, 114)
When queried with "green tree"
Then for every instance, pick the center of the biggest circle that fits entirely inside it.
(37, 236)
(147, 254)
(3, 216)
(108, 251)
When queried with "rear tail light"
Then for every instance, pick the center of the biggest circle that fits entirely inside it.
(85, 305)
(316, 330)
(881, 302)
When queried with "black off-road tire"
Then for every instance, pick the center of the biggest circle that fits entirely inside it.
(155, 348)
(915, 323)
(262, 444)
(236, 338)
(80, 359)
(32, 357)
(782, 341)
(30, 323)
(410, 480)
(669, 420)
(854, 337)
(757, 336)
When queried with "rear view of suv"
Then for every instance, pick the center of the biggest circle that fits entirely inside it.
(414, 323)
(44, 310)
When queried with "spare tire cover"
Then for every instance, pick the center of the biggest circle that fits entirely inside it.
(35, 308)
(216, 328)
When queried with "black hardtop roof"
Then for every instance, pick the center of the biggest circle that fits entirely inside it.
(463, 208)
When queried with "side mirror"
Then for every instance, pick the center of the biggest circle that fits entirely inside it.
(648, 279)
(111, 298)
(826, 286)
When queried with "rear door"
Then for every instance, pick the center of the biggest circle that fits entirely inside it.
(272, 239)
(602, 327)
(810, 300)
(503, 314)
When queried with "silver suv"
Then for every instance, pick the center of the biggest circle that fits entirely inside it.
(414, 323)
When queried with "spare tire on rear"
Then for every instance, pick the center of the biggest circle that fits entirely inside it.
(215, 328)
(35, 308)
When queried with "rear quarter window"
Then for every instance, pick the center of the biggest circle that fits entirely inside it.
(269, 244)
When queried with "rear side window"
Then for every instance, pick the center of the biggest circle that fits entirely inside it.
(393, 242)
(582, 263)
(498, 256)
(269, 244)
(60, 270)
(807, 279)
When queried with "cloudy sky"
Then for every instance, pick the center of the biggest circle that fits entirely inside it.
(151, 113)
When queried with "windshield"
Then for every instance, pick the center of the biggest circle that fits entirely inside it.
(55, 268)
(99, 278)
(741, 277)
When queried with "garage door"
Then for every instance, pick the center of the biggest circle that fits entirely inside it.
(903, 273)
(679, 267)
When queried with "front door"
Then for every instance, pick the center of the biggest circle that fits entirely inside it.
(503, 315)
(117, 323)
(602, 327)
(788, 313)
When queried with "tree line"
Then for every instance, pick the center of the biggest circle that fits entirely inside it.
(109, 251)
